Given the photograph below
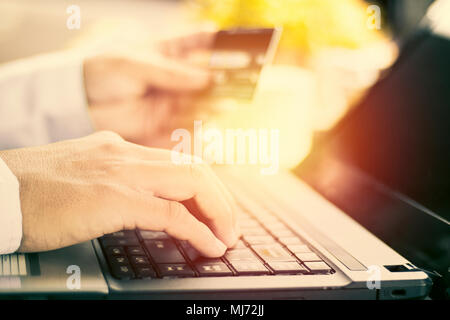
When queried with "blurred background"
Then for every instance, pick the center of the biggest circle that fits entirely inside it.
(34, 26)
(330, 51)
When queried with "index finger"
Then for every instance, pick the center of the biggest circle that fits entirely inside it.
(180, 182)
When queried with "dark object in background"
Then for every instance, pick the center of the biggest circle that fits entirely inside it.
(402, 17)
(398, 134)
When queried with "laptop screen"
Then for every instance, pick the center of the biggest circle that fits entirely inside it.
(399, 136)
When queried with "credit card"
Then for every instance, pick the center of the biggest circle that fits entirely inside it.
(238, 56)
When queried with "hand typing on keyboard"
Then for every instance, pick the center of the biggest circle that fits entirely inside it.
(77, 190)
(268, 247)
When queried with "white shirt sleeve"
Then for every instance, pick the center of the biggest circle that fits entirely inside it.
(42, 100)
(10, 214)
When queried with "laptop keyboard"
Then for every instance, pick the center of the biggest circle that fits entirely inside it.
(267, 247)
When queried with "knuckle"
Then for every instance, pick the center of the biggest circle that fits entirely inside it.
(198, 171)
(112, 168)
(109, 135)
(108, 169)
(110, 142)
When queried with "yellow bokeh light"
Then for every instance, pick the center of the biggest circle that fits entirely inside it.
(283, 101)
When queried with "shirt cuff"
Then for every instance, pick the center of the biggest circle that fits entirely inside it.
(10, 213)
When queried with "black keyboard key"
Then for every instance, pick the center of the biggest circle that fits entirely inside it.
(146, 272)
(122, 272)
(309, 256)
(240, 255)
(290, 240)
(164, 251)
(113, 242)
(249, 267)
(259, 239)
(190, 251)
(135, 251)
(139, 261)
(118, 260)
(153, 235)
(115, 251)
(299, 248)
(283, 267)
(213, 269)
(273, 252)
(318, 267)
(193, 255)
(208, 260)
(176, 270)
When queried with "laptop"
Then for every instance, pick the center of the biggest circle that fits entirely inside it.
(365, 216)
